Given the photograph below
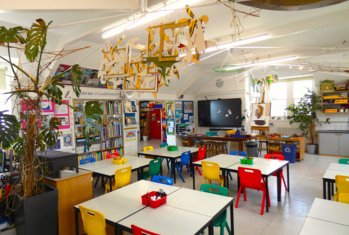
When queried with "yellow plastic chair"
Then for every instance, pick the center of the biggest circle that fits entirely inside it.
(147, 148)
(342, 186)
(93, 221)
(122, 178)
(343, 197)
(211, 172)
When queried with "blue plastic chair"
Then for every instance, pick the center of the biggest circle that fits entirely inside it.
(185, 161)
(238, 153)
(162, 179)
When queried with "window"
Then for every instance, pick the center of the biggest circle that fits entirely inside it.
(282, 94)
(4, 87)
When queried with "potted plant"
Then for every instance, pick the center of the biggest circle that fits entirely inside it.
(305, 113)
(34, 204)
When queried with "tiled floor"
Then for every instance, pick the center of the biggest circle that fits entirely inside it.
(286, 217)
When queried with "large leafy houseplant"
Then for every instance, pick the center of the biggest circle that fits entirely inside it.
(305, 113)
(34, 82)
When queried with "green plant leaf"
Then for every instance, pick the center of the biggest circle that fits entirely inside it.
(9, 129)
(12, 35)
(36, 39)
(18, 146)
(48, 134)
(54, 90)
(75, 77)
(92, 120)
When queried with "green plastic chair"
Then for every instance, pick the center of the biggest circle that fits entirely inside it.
(221, 220)
(343, 161)
(154, 169)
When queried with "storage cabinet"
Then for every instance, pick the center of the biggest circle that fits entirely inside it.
(334, 144)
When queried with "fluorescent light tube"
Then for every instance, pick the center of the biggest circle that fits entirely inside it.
(264, 62)
(245, 41)
(116, 30)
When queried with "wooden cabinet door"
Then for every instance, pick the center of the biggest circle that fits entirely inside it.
(328, 143)
(343, 140)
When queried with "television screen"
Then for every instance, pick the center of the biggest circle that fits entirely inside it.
(219, 113)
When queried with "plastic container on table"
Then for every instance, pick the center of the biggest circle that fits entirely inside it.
(147, 199)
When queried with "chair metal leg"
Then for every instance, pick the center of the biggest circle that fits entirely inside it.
(238, 198)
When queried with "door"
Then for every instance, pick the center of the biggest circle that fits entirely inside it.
(343, 144)
(155, 124)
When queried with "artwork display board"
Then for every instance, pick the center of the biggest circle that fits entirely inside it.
(260, 115)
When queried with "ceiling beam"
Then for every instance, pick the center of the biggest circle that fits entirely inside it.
(70, 5)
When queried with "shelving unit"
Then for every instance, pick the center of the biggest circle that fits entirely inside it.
(336, 101)
(108, 138)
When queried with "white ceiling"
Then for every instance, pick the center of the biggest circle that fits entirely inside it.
(318, 37)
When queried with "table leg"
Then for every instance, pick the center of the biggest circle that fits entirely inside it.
(110, 184)
(323, 189)
(96, 181)
(332, 188)
(328, 190)
(241, 146)
(288, 177)
(232, 217)
(210, 228)
(227, 179)
(173, 170)
(238, 179)
(117, 230)
(278, 182)
(267, 197)
(76, 221)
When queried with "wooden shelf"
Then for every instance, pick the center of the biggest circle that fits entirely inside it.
(326, 92)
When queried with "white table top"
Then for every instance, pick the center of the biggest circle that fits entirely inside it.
(167, 220)
(199, 202)
(92, 166)
(134, 163)
(224, 160)
(266, 166)
(163, 152)
(330, 211)
(313, 226)
(122, 202)
(331, 174)
(338, 167)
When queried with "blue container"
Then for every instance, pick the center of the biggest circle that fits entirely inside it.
(289, 151)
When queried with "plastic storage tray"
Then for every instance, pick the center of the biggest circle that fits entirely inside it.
(147, 200)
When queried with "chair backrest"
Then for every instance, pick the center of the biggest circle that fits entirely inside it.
(140, 231)
(154, 167)
(238, 153)
(342, 184)
(216, 189)
(147, 148)
(274, 156)
(250, 178)
(93, 221)
(185, 158)
(163, 145)
(162, 179)
(211, 170)
(123, 177)
(343, 161)
(201, 153)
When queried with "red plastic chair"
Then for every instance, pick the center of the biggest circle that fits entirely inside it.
(277, 157)
(140, 231)
(252, 178)
(200, 156)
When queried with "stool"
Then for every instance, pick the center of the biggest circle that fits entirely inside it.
(220, 148)
(210, 148)
(187, 143)
(260, 146)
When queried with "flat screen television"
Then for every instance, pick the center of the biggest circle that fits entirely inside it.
(222, 113)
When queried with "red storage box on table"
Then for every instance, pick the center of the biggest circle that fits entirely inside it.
(112, 155)
(147, 199)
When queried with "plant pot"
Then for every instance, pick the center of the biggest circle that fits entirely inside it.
(145, 138)
(311, 148)
(243, 160)
(38, 214)
(249, 161)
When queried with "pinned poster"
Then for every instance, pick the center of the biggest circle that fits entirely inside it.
(61, 112)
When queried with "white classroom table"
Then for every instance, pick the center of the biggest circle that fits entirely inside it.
(167, 220)
(313, 226)
(338, 167)
(123, 207)
(330, 211)
(328, 180)
(326, 217)
(106, 167)
(171, 155)
(267, 168)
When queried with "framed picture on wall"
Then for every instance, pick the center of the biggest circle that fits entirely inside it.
(260, 115)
